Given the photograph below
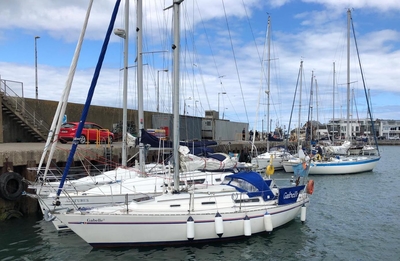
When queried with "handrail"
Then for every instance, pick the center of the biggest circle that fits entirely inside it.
(20, 105)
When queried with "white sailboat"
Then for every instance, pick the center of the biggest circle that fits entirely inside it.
(243, 205)
(331, 164)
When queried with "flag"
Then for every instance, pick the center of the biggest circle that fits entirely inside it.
(301, 169)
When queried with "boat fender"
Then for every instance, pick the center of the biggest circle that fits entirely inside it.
(310, 186)
(268, 222)
(269, 170)
(247, 226)
(219, 224)
(190, 228)
(11, 186)
(303, 214)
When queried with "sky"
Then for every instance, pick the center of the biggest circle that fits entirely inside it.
(223, 60)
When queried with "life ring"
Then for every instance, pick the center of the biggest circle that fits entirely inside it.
(310, 186)
(11, 186)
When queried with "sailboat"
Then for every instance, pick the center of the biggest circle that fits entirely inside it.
(335, 164)
(242, 205)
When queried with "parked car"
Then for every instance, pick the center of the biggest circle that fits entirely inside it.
(394, 137)
(91, 132)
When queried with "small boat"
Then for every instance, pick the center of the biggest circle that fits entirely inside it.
(277, 154)
(330, 165)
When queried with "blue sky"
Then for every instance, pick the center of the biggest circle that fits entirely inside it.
(223, 43)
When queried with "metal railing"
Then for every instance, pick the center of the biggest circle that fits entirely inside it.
(20, 108)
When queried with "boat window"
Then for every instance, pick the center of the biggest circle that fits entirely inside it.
(208, 203)
(242, 184)
(247, 200)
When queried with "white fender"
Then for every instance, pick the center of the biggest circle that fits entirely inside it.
(247, 226)
(268, 222)
(219, 225)
(190, 228)
(303, 214)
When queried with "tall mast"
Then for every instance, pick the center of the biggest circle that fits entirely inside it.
(176, 50)
(348, 75)
(301, 83)
(140, 84)
(317, 105)
(125, 87)
(268, 76)
(333, 112)
(62, 105)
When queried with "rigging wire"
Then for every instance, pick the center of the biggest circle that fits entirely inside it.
(234, 57)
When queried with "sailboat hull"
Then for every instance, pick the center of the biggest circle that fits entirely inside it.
(141, 228)
(348, 165)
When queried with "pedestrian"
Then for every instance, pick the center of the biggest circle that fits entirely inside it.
(251, 135)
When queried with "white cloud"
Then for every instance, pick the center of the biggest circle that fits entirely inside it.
(316, 36)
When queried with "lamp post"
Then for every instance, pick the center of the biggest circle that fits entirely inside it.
(36, 76)
(218, 99)
(158, 87)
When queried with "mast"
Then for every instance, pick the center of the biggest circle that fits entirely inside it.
(176, 50)
(293, 105)
(348, 75)
(310, 111)
(62, 105)
(140, 84)
(366, 94)
(316, 103)
(125, 87)
(301, 83)
(333, 112)
(268, 76)
(85, 111)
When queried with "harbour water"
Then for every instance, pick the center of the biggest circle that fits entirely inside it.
(351, 217)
